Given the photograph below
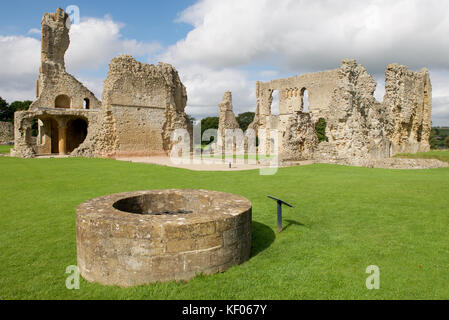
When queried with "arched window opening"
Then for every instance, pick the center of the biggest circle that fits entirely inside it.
(274, 108)
(304, 100)
(62, 101)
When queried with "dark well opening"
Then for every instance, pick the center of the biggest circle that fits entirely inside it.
(157, 204)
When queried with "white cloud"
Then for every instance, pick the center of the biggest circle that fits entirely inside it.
(94, 42)
(301, 36)
(206, 87)
(19, 67)
(94, 84)
(440, 97)
(34, 31)
(230, 38)
(315, 34)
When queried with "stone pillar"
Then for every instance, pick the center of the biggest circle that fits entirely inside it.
(62, 135)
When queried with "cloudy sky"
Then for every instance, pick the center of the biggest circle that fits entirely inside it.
(229, 45)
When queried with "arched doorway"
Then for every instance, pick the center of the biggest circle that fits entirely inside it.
(62, 101)
(76, 133)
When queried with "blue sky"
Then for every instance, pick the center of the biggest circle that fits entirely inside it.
(145, 20)
(228, 45)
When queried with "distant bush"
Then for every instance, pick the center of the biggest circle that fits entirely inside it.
(438, 138)
(245, 119)
(320, 129)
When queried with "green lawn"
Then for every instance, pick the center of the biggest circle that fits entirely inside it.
(345, 220)
(442, 155)
(5, 148)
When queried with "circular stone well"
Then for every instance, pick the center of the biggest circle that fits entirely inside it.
(143, 237)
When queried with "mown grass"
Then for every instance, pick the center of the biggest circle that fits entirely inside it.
(345, 219)
(442, 155)
(5, 149)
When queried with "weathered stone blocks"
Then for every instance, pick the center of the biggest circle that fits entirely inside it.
(125, 240)
(6, 132)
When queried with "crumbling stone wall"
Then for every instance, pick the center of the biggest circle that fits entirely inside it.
(359, 128)
(294, 145)
(226, 122)
(356, 125)
(6, 132)
(408, 100)
(23, 141)
(142, 105)
(53, 80)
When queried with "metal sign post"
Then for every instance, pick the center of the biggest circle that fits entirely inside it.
(280, 203)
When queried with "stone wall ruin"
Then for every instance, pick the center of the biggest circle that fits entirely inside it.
(358, 127)
(142, 105)
(6, 132)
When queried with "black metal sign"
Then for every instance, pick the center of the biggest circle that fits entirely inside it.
(280, 203)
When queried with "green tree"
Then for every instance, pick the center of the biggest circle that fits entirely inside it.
(320, 129)
(446, 142)
(245, 119)
(20, 105)
(5, 111)
(434, 139)
(209, 123)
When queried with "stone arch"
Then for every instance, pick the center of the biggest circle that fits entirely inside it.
(76, 133)
(63, 101)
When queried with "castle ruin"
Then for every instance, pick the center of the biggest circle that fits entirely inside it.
(359, 129)
(143, 104)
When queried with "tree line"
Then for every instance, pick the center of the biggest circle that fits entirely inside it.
(7, 110)
(439, 138)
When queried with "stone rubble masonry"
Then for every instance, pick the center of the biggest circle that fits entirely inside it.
(6, 132)
(53, 79)
(359, 128)
(227, 120)
(117, 247)
(142, 104)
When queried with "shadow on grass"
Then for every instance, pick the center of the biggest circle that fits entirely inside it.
(263, 236)
(292, 223)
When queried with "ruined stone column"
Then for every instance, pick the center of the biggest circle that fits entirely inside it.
(62, 135)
